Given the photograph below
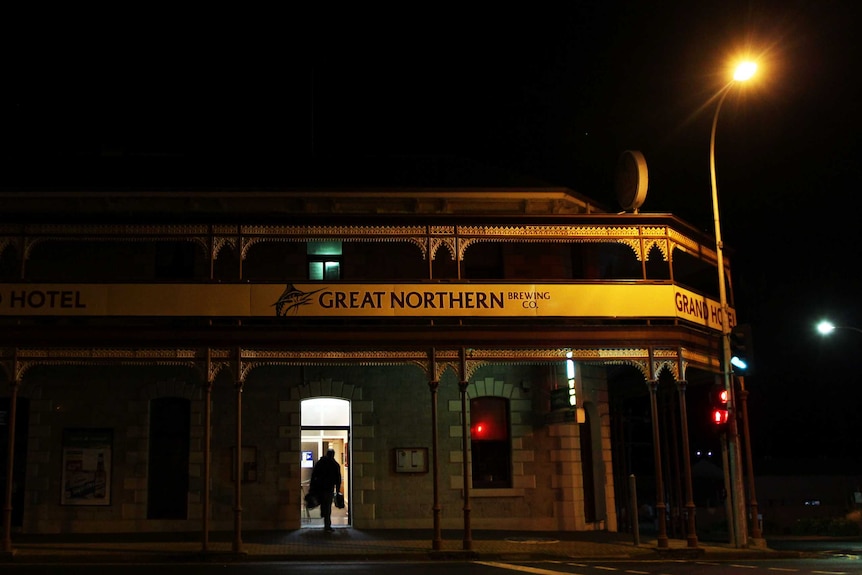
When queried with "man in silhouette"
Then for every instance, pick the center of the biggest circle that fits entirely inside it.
(325, 479)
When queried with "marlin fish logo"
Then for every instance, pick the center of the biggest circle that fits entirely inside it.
(291, 298)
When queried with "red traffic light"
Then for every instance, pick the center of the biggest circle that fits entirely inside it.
(720, 414)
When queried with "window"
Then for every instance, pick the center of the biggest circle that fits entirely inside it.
(483, 261)
(695, 273)
(490, 443)
(324, 260)
(168, 481)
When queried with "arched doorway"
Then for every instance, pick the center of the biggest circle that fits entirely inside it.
(325, 424)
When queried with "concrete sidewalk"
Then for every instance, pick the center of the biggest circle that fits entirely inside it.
(349, 544)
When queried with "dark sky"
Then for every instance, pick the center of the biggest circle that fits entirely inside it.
(554, 93)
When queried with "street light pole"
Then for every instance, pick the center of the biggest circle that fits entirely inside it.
(735, 490)
(756, 533)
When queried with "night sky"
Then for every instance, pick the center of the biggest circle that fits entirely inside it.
(554, 94)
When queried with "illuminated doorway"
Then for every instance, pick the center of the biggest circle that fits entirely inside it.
(325, 425)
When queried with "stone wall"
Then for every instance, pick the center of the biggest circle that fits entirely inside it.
(390, 408)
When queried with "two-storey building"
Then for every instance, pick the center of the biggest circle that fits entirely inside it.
(176, 360)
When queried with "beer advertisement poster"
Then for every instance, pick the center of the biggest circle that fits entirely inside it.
(86, 467)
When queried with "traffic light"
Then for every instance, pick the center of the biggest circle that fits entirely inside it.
(719, 414)
(742, 348)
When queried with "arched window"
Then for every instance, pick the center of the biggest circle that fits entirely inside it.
(490, 442)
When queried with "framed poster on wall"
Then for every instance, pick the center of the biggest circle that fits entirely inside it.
(86, 467)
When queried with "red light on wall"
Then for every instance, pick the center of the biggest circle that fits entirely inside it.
(719, 416)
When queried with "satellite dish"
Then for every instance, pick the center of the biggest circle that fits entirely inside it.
(631, 180)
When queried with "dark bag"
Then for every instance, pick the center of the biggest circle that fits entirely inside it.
(311, 501)
(339, 500)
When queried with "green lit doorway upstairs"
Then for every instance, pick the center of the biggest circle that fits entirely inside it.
(325, 424)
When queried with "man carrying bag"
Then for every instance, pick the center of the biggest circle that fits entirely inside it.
(325, 479)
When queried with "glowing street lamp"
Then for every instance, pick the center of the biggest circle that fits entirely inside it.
(826, 327)
(743, 72)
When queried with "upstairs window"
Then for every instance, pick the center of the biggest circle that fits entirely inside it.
(175, 261)
(324, 260)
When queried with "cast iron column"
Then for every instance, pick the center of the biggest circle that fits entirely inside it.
(437, 541)
(660, 507)
(205, 515)
(10, 461)
(690, 530)
(465, 438)
(237, 522)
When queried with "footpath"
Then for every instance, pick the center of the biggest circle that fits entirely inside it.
(349, 544)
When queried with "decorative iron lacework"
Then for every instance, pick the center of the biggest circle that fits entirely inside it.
(640, 246)
(433, 246)
(216, 368)
(332, 231)
(654, 231)
(471, 366)
(443, 366)
(662, 246)
(96, 230)
(220, 242)
(551, 231)
(5, 242)
(662, 236)
(641, 365)
(248, 242)
(556, 353)
(111, 353)
(671, 366)
(688, 245)
(24, 366)
(270, 354)
(427, 238)
(633, 243)
(445, 359)
(441, 230)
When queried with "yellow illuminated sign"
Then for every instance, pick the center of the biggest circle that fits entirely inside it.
(618, 300)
